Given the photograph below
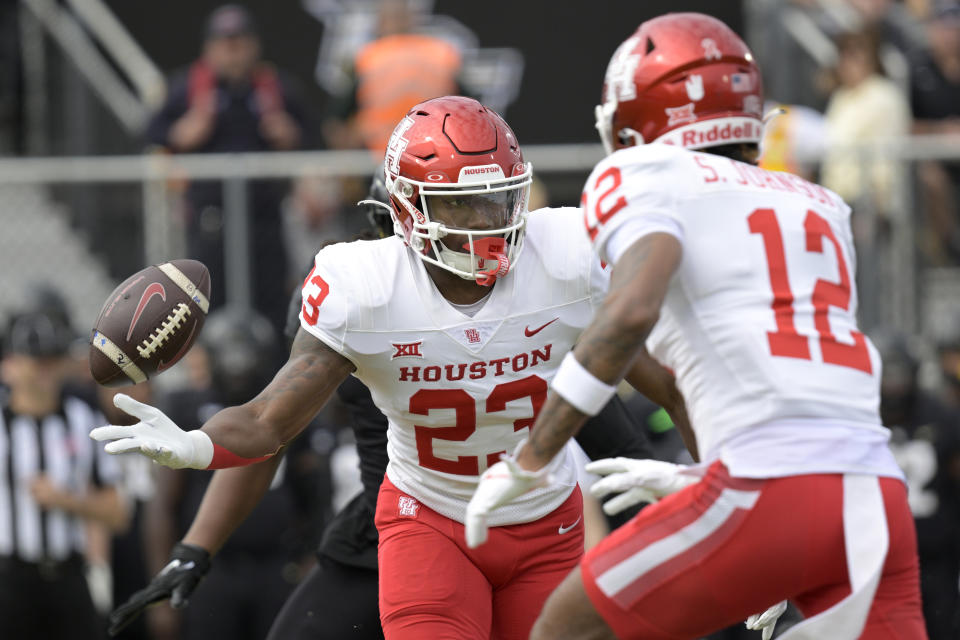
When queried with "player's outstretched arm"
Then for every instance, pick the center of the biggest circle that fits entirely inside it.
(240, 435)
(285, 407)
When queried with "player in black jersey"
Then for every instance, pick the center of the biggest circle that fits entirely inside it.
(338, 597)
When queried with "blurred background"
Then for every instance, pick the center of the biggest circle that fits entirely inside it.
(243, 135)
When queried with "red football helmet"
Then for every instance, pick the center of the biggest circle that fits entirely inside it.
(454, 168)
(685, 79)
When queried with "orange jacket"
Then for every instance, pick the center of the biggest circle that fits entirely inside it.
(396, 72)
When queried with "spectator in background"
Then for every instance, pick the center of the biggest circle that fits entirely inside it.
(258, 568)
(399, 69)
(898, 30)
(54, 486)
(935, 90)
(865, 107)
(231, 101)
(935, 98)
(926, 444)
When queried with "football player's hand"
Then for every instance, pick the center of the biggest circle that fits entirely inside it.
(498, 485)
(155, 436)
(188, 564)
(767, 620)
(636, 481)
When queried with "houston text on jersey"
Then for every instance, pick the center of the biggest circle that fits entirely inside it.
(477, 369)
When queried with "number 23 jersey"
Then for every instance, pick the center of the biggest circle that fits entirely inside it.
(458, 391)
(759, 321)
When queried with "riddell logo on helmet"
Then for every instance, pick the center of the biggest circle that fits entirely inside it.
(708, 133)
(717, 134)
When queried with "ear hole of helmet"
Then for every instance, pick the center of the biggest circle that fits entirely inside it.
(629, 137)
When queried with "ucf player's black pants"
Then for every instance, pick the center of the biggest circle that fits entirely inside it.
(334, 602)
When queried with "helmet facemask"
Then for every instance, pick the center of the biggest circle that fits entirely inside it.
(473, 228)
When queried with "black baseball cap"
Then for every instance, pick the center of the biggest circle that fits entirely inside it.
(230, 20)
(39, 334)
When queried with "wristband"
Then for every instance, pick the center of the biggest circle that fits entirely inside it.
(209, 455)
(581, 388)
(223, 458)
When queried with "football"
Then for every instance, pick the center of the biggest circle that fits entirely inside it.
(149, 322)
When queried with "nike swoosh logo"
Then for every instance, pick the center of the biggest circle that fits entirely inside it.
(154, 289)
(527, 331)
(176, 564)
(562, 530)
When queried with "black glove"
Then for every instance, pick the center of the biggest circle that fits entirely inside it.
(188, 564)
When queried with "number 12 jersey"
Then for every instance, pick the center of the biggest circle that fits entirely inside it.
(759, 322)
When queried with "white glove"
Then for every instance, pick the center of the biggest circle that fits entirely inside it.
(156, 436)
(767, 620)
(498, 485)
(636, 480)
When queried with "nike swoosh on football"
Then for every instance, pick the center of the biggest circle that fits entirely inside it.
(562, 530)
(153, 289)
(527, 331)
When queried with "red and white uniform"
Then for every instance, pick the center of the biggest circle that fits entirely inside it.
(457, 392)
(759, 326)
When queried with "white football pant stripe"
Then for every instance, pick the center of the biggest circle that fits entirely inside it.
(628, 571)
(867, 540)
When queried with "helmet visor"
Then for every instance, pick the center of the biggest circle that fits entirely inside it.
(475, 212)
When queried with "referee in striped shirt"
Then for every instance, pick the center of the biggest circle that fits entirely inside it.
(54, 484)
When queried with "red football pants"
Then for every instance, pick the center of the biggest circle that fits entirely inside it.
(433, 586)
(697, 562)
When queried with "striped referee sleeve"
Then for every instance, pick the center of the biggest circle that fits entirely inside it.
(56, 446)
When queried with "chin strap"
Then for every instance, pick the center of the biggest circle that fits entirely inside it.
(491, 249)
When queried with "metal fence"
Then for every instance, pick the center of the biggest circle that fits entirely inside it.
(83, 223)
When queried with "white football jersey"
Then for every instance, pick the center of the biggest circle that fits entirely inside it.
(759, 322)
(458, 391)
